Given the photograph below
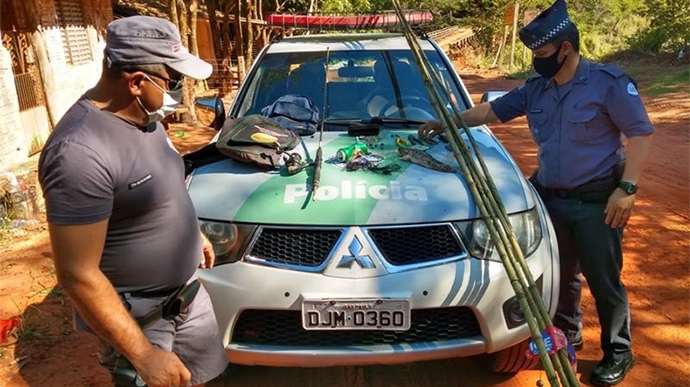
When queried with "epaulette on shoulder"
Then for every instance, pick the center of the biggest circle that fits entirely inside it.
(532, 78)
(613, 70)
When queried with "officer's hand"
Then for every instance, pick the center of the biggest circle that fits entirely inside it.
(162, 369)
(208, 255)
(619, 208)
(429, 130)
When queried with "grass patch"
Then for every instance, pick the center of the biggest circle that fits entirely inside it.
(30, 332)
(56, 294)
(524, 74)
(656, 73)
(673, 81)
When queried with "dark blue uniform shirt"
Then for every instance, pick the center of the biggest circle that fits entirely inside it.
(578, 126)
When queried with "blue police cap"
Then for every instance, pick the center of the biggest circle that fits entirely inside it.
(546, 26)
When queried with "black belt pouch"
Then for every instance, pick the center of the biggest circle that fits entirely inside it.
(180, 300)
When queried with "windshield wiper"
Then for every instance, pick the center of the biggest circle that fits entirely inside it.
(370, 127)
(375, 121)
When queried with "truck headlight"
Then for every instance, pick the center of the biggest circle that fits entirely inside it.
(228, 239)
(526, 226)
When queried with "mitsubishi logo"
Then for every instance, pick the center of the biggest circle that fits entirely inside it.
(355, 248)
(355, 257)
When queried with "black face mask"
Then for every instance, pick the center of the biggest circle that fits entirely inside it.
(548, 67)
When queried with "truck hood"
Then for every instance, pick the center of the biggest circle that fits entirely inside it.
(231, 191)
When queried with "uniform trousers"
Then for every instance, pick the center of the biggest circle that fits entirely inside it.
(589, 247)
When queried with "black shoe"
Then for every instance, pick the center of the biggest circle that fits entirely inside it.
(612, 369)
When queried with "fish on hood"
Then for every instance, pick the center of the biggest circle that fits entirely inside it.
(424, 159)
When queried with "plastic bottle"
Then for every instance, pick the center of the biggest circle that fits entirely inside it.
(3, 209)
(25, 223)
(19, 208)
(32, 198)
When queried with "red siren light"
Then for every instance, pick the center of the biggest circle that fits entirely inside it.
(348, 21)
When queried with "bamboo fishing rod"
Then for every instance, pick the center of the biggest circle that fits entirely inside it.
(486, 185)
(523, 297)
(515, 254)
(533, 292)
(318, 160)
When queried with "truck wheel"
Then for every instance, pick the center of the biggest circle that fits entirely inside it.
(513, 359)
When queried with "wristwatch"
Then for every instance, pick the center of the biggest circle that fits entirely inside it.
(628, 187)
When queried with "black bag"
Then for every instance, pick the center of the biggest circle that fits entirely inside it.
(255, 139)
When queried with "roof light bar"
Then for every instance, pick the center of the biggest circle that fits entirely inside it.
(348, 21)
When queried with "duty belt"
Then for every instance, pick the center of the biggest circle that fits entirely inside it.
(593, 191)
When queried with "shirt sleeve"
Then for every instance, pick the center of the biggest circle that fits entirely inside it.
(626, 109)
(77, 187)
(510, 105)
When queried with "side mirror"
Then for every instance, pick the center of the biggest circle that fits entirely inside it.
(219, 112)
(492, 95)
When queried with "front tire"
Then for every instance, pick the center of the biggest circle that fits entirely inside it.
(513, 359)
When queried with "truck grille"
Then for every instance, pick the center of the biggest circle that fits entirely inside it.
(299, 247)
(309, 248)
(412, 245)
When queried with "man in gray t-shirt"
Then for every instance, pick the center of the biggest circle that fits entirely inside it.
(124, 232)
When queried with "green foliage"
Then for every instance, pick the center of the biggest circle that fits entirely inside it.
(652, 40)
(346, 6)
(669, 26)
(605, 25)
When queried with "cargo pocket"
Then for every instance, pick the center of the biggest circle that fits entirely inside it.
(537, 125)
(581, 123)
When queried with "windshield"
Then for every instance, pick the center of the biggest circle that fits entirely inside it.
(361, 85)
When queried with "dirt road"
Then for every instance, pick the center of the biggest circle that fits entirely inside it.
(657, 275)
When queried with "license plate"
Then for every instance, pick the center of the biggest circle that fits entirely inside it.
(367, 314)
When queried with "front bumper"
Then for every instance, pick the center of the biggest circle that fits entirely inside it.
(479, 286)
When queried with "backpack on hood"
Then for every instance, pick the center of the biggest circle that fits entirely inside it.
(295, 112)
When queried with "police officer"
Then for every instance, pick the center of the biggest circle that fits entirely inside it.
(580, 113)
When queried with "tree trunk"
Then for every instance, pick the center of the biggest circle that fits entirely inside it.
(188, 89)
(239, 38)
(263, 35)
(225, 66)
(193, 8)
(193, 42)
(250, 33)
(184, 22)
(174, 18)
(215, 31)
